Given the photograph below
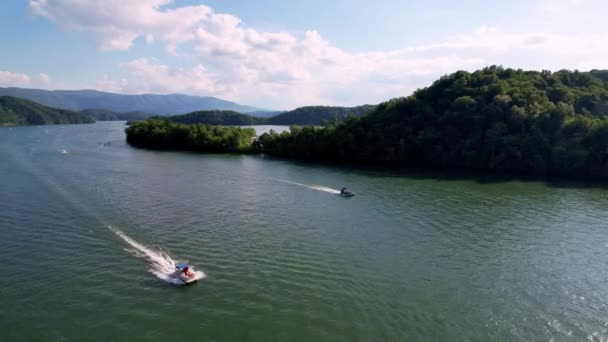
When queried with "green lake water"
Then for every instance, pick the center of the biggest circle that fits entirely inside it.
(89, 225)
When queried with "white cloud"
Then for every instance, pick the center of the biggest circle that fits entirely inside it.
(115, 24)
(150, 76)
(560, 6)
(13, 79)
(45, 79)
(10, 79)
(109, 85)
(283, 70)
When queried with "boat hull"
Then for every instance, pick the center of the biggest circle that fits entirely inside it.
(188, 281)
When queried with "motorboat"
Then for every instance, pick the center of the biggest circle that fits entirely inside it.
(344, 192)
(185, 273)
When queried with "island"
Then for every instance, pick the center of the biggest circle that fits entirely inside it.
(17, 111)
(166, 135)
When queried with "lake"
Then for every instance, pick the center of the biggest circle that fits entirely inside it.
(89, 227)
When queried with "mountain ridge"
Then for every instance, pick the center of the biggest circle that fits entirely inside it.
(87, 99)
(317, 115)
(18, 111)
(302, 116)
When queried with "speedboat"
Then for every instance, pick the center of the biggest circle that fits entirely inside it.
(184, 273)
(344, 192)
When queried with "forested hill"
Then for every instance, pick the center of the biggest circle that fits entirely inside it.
(316, 115)
(301, 116)
(217, 117)
(17, 111)
(495, 119)
(264, 113)
(108, 115)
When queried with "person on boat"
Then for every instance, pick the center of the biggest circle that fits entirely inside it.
(187, 272)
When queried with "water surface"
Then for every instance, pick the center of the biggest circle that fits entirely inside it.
(408, 258)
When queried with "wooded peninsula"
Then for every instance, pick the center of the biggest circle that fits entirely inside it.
(496, 119)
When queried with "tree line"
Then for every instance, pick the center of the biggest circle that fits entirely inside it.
(108, 115)
(167, 135)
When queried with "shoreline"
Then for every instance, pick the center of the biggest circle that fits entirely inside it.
(400, 170)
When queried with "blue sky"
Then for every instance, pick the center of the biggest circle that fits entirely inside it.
(283, 54)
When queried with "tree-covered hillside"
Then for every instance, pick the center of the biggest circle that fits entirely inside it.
(17, 111)
(495, 119)
(108, 115)
(301, 116)
(217, 117)
(317, 115)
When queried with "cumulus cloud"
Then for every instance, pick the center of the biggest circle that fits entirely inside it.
(45, 79)
(151, 76)
(10, 79)
(559, 6)
(110, 85)
(115, 24)
(14, 79)
(283, 69)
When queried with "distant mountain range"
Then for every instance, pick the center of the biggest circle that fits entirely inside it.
(78, 100)
(18, 111)
(206, 110)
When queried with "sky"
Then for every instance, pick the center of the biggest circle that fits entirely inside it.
(281, 54)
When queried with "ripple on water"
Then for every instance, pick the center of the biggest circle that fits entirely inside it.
(408, 258)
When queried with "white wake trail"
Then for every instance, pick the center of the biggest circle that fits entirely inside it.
(160, 263)
(314, 187)
(325, 189)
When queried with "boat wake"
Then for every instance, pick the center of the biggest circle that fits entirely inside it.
(160, 263)
(325, 189)
(314, 187)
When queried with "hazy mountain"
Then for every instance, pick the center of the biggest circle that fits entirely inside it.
(77, 100)
(108, 115)
(315, 115)
(18, 111)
